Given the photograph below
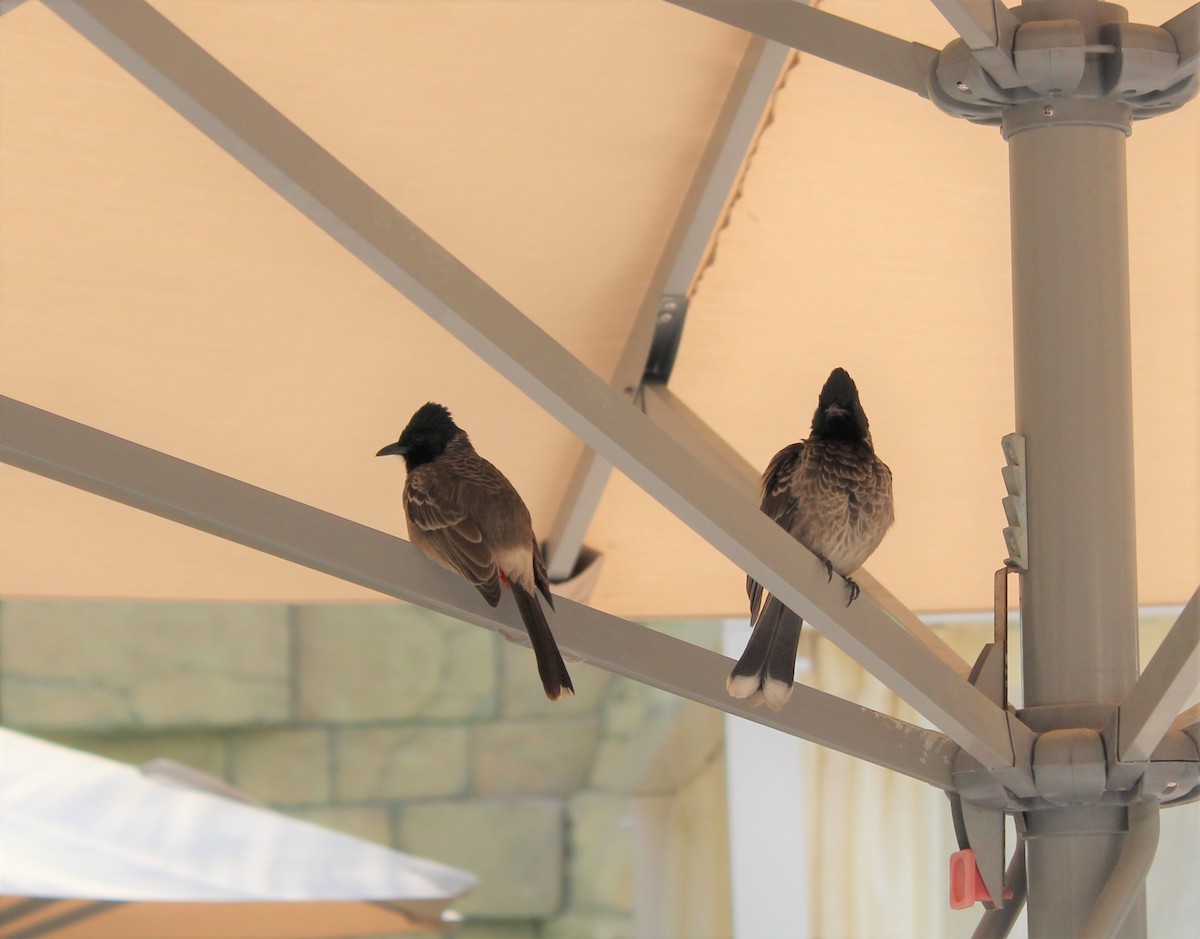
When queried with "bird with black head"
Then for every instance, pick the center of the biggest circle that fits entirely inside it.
(464, 514)
(832, 494)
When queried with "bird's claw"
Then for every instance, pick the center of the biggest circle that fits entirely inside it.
(852, 587)
(828, 569)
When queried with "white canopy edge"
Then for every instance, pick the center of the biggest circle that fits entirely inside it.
(81, 826)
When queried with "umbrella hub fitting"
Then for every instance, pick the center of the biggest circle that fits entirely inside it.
(1071, 62)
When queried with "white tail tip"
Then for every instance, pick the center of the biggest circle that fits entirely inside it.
(741, 686)
(777, 693)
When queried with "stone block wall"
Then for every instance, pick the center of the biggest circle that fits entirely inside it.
(388, 722)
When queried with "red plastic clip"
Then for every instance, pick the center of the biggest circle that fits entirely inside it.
(966, 883)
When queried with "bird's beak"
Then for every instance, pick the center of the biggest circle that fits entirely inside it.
(392, 449)
(835, 409)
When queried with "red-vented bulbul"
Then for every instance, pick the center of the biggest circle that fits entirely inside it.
(833, 495)
(465, 515)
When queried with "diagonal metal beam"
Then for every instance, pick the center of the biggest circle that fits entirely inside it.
(716, 174)
(585, 489)
(1126, 883)
(1189, 722)
(1185, 28)
(979, 22)
(681, 423)
(880, 55)
(89, 459)
(234, 116)
(1162, 689)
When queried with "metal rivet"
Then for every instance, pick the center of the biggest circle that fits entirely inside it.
(664, 317)
(1171, 784)
(669, 305)
(962, 86)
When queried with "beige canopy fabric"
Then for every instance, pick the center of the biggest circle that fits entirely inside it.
(151, 287)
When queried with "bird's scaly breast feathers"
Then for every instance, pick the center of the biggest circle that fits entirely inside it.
(844, 498)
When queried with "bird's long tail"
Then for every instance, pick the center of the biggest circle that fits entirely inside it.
(551, 667)
(767, 667)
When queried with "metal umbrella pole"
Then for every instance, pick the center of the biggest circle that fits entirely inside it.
(1073, 407)
(1082, 73)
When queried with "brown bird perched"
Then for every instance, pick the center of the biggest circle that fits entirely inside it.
(465, 515)
(833, 495)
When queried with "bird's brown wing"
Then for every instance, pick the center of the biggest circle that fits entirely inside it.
(778, 503)
(438, 518)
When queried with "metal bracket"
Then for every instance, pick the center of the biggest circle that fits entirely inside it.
(1004, 792)
(668, 332)
(1069, 766)
(1067, 52)
(1171, 776)
(1016, 535)
(987, 28)
(979, 826)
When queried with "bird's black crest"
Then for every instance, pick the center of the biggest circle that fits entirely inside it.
(839, 412)
(425, 438)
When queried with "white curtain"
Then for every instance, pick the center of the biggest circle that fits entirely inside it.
(879, 841)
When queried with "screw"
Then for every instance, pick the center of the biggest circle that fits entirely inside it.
(1171, 784)
(665, 317)
(962, 86)
(669, 305)
(1048, 111)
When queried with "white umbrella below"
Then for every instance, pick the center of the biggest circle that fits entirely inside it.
(94, 847)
